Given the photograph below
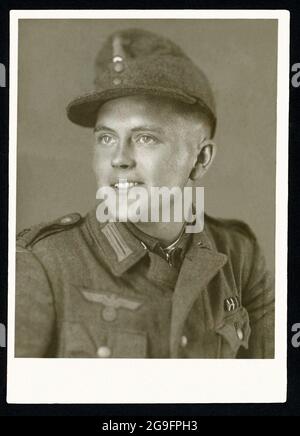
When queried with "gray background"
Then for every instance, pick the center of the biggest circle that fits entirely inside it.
(54, 156)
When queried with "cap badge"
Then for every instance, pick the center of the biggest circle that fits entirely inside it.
(118, 54)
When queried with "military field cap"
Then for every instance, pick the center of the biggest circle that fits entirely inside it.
(136, 61)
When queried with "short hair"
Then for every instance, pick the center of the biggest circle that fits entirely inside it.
(199, 112)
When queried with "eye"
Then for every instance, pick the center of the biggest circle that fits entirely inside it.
(146, 140)
(106, 139)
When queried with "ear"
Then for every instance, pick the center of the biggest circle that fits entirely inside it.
(206, 155)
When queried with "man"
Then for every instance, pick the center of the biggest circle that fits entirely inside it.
(86, 288)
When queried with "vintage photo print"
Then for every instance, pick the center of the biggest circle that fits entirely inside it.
(148, 206)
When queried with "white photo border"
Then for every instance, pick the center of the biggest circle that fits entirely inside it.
(109, 381)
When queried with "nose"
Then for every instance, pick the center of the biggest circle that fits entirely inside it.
(122, 157)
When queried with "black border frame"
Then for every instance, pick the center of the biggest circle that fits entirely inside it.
(292, 407)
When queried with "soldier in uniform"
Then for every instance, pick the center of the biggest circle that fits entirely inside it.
(115, 289)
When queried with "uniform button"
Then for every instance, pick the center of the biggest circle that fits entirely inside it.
(118, 67)
(184, 341)
(117, 81)
(66, 220)
(240, 333)
(104, 352)
(109, 314)
(70, 219)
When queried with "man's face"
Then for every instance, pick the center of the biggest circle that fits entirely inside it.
(147, 141)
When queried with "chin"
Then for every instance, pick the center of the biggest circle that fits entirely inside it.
(135, 212)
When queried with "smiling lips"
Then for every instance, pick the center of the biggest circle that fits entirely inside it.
(125, 184)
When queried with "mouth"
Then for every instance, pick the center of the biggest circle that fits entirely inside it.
(125, 184)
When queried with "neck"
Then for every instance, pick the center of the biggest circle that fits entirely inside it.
(166, 233)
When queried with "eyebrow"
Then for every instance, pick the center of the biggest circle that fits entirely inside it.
(147, 127)
(101, 128)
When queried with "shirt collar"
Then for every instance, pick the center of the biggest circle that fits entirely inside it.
(173, 254)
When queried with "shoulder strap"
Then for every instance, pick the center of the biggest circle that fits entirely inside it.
(28, 237)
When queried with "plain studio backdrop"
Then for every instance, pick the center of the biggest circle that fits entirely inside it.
(56, 63)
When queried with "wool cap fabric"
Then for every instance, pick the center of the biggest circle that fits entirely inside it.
(134, 62)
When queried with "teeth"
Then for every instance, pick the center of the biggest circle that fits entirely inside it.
(125, 185)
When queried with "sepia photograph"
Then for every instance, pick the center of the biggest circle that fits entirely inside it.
(146, 191)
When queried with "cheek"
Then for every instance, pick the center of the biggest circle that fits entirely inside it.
(179, 169)
(101, 165)
(179, 163)
(101, 158)
(168, 169)
(154, 165)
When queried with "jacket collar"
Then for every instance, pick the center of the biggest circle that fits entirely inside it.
(121, 250)
(115, 244)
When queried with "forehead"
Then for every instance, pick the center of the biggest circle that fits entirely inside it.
(154, 107)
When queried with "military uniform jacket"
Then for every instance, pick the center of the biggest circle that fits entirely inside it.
(85, 289)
